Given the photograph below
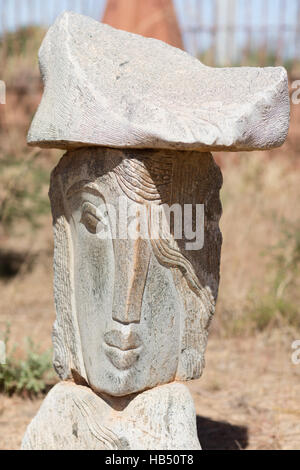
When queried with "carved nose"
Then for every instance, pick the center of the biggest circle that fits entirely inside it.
(131, 268)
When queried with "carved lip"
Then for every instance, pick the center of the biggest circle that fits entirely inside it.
(123, 350)
(122, 360)
(122, 341)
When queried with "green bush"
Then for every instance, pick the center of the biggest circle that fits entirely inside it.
(28, 377)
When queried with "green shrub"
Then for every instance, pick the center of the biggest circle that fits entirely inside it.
(28, 377)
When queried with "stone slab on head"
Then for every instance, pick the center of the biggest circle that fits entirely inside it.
(106, 87)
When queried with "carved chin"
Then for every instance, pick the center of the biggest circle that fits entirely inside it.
(122, 360)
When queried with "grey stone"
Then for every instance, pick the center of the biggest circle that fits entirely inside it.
(132, 314)
(72, 417)
(133, 309)
(105, 87)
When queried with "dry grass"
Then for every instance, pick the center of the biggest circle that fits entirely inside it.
(259, 197)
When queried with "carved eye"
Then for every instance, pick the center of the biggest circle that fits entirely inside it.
(93, 220)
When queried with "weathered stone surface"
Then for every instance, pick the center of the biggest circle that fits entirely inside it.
(72, 417)
(105, 87)
(132, 314)
(134, 293)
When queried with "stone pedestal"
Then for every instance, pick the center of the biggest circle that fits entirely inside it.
(73, 417)
(136, 209)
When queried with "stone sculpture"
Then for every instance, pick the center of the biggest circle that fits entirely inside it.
(134, 300)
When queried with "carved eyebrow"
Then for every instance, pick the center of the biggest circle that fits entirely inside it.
(83, 186)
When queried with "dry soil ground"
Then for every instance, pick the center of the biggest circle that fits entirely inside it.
(248, 398)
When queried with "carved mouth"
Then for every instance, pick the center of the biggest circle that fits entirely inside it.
(124, 342)
(122, 360)
(123, 350)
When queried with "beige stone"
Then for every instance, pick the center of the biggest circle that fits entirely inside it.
(151, 299)
(72, 417)
(132, 314)
(111, 88)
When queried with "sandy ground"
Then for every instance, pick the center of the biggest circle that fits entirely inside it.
(249, 395)
(248, 398)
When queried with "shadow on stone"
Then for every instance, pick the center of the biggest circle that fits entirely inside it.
(219, 435)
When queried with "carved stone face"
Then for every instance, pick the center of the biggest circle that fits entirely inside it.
(133, 313)
(127, 305)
